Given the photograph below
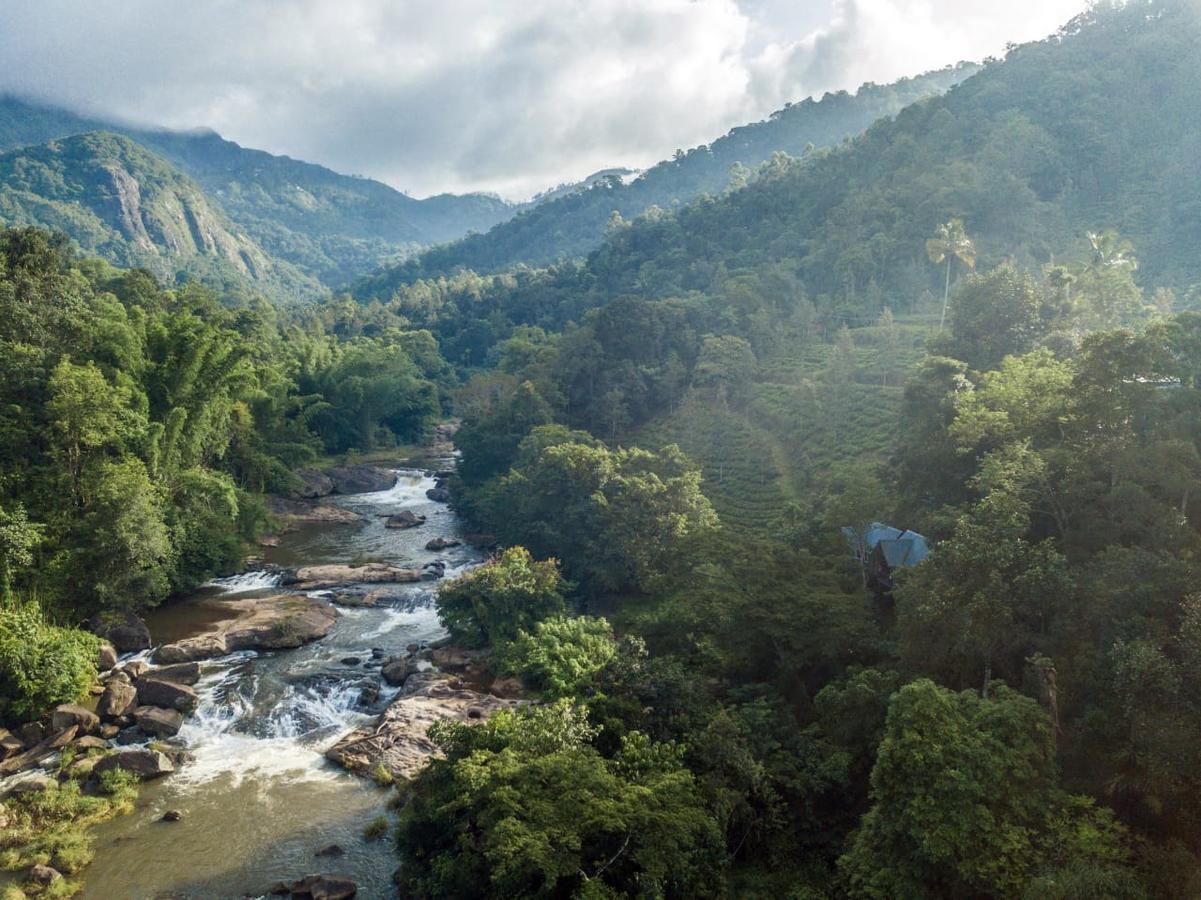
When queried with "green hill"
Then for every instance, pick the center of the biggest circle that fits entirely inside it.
(572, 222)
(330, 226)
(119, 201)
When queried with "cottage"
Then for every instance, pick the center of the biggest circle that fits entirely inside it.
(882, 549)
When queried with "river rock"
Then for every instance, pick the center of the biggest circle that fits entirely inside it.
(313, 484)
(330, 850)
(456, 659)
(90, 742)
(35, 783)
(135, 669)
(180, 673)
(406, 518)
(119, 698)
(354, 600)
(319, 887)
(399, 739)
(438, 494)
(396, 670)
(10, 744)
(361, 479)
(106, 657)
(315, 577)
(507, 687)
(157, 721)
(432, 571)
(439, 543)
(126, 633)
(68, 714)
(43, 875)
(171, 815)
(154, 691)
(82, 768)
(32, 733)
(292, 513)
(282, 622)
(142, 762)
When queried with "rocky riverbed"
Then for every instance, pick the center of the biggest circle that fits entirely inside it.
(258, 700)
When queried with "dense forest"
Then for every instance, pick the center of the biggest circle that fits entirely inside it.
(977, 321)
(574, 222)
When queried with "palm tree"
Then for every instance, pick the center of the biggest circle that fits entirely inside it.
(1110, 251)
(950, 243)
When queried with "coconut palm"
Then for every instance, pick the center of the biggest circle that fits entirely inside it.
(950, 243)
(1110, 251)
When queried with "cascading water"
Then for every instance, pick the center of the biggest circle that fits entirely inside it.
(259, 798)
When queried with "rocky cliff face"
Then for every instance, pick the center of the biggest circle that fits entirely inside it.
(122, 202)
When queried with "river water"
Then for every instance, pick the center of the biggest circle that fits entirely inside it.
(259, 799)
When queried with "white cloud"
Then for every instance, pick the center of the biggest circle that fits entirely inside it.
(506, 95)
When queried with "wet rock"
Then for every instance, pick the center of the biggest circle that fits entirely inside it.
(157, 721)
(153, 691)
(32, 784)
(316, 577)
(282, 622)
(118, 699)
(477, 712)
(438, 494)
(32, 733)
(90, 742)
(396, 670)
(127, 633)
(350, 660)
(106, 657)
(181, 673)
(82, 768)
(399, 738)
(43, 875)
(432, 571)
(269, 540)
(135, 669)
(354, 600)
(368, 694)
(313, 483)
(144, 763)
(329, 850)
(378, 652)
(361, 479)
(110, 731)
(69, 714)
(406, 518)
(10, 744)
(322, 887)
(441, 544)
(413, 648)
(171, 815)
(128, 736)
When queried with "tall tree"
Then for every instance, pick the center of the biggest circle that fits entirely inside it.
(950, 243)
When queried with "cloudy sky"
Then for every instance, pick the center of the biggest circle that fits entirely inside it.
(510, 96)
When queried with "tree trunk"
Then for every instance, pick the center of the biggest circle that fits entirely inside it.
(946, 295)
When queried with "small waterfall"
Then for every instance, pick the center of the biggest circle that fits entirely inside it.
(244, 583)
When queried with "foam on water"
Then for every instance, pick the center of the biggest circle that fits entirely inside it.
(246, 582)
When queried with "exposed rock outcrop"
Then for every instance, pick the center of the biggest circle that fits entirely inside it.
(127, 634)
(153, 691)
(282, 622)
(106, 657)
(406, 518)
(157, 721)
(361, 479)
(293, 513)
(313, 484)
(439, 543)
(69, 714)
(311, 578)
(399, 739)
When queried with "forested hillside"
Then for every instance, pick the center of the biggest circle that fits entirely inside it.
(119, 201)
(572, 225)
(331, 227)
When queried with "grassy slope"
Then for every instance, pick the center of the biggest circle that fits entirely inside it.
(776, 448)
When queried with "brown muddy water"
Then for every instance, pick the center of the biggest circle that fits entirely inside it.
(259, 799)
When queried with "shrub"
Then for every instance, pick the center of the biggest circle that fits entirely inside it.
(492, 604)
(562, 655)
(41, 665)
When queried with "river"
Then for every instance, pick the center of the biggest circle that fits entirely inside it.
(259, 799)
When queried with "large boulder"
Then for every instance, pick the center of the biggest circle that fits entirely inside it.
(106, 657)
(282, 622)
(44, 876)
(399, 739)
(406, 518)
(313, 484)
(438, 494)
(293, 513)
(10, 744)
(180, 673)
(311, 578)
(127, 633)
(167, 694)
(144, 763)
(396, 670)
(159, 722)
(317, 887)
(361, 479)
(118, 699)
(71, 714)
(440, 543)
